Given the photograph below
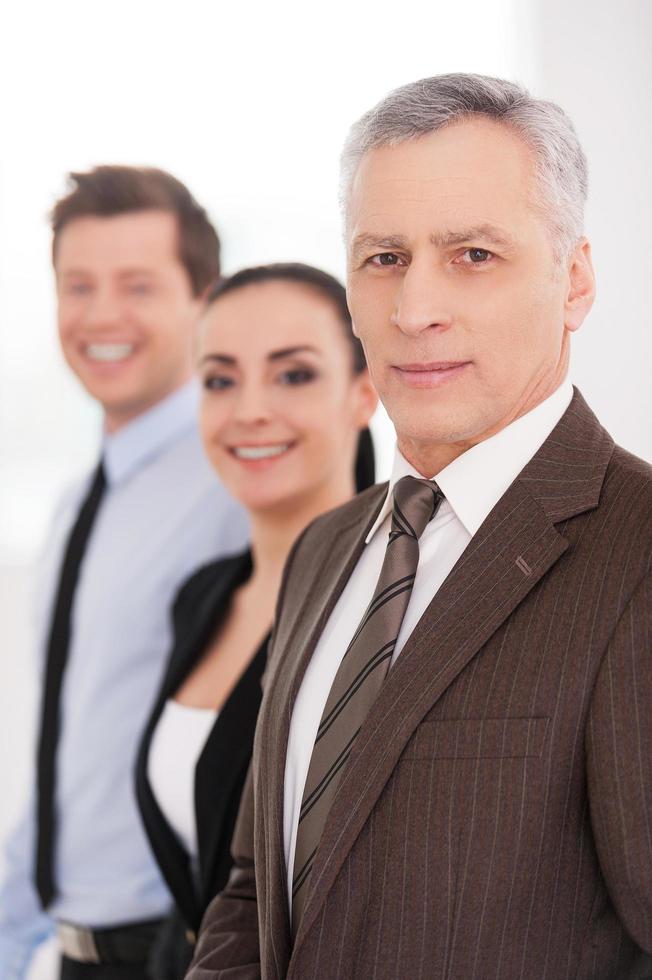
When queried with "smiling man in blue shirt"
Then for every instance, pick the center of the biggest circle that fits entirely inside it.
(133, 254)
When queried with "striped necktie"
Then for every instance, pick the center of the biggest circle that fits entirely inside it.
(57, 655)
(361, 673)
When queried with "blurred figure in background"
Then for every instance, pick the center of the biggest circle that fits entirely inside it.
(286, 401)
(133, 256)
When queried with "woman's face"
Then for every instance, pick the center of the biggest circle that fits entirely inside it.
(281, 408)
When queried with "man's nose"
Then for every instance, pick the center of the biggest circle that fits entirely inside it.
(103, 309)
(422, 301)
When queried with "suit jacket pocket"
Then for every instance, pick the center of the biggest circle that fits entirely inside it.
(478, 738)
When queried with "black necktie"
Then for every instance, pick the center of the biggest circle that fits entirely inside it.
(57, 654)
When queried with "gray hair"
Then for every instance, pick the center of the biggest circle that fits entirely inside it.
(432, 103)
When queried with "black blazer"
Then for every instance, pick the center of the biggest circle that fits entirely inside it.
(222, 766)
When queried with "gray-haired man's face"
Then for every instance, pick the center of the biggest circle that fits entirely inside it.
(463, 313)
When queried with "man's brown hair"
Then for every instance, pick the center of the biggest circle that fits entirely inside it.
(110, 190)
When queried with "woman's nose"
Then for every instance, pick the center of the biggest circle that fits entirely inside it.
(252, 404)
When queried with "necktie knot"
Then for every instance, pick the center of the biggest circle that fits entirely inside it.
(415, 504)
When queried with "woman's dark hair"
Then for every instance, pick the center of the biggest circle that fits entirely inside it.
(331, 289)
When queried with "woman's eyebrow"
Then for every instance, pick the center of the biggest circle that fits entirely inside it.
(220, 358)
(276, 355)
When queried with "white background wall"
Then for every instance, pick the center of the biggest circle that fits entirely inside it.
(595, 58)
(249, 105)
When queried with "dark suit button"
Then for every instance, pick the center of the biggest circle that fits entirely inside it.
(191, 936)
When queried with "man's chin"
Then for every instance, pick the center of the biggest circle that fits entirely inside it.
(119, 409)
(433, 432)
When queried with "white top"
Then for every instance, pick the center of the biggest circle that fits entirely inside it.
(472, 484)
(177, 743)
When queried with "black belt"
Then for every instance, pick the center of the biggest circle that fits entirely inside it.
(119, 944)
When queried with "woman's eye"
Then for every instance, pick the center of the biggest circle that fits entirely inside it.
(297, 376)
(217, 383)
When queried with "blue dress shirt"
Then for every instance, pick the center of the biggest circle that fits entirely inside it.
(163, 515)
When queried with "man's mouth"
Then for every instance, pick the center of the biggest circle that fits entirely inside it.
(261, 452)
(108, 353)
(429, 374)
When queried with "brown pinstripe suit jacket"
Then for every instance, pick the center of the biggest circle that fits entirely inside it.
(495, 818)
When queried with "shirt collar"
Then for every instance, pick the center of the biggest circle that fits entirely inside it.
(150, 433)
(475, 481)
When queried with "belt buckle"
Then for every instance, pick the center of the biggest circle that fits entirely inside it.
(78, 943)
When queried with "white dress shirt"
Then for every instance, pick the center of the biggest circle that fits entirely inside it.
(472, 485)
(164, 513)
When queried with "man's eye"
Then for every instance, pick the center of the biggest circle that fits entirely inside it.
(385, 259)
(139, 289)
(477, 256)
(297, 376)
(217, 382)
(78, 288)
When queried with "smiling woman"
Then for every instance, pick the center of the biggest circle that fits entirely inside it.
(286, 401)
(286, 390)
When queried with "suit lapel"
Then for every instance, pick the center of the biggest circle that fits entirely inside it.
(221, 769)
(193, 634)
(297, 641)
(329, 574)
(193, 631)
(517, 545)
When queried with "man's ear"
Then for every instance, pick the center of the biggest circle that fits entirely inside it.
(367, 399)
(581, 286)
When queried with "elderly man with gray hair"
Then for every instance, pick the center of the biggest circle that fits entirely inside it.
(452, 774)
